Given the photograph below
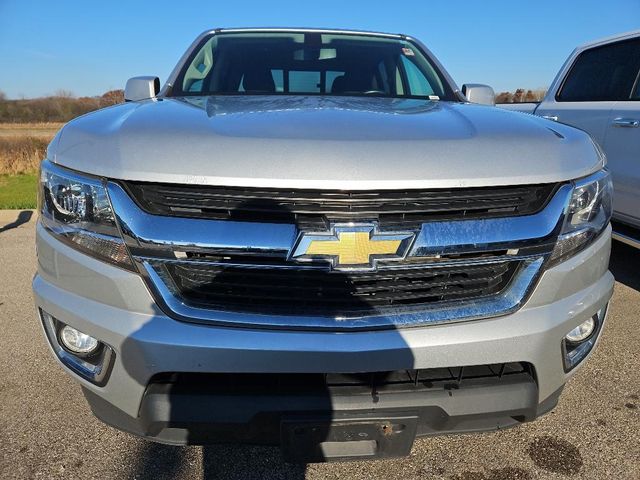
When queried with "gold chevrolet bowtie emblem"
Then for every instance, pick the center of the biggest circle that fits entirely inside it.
(352, 246)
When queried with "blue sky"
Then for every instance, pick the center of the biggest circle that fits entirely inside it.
(90, 47)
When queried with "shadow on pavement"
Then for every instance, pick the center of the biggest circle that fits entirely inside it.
(625, 264)
(247, 462)
(23, 217)
(156, 461)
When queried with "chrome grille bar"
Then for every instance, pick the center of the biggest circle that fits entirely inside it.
(487, 307)
(153, 239)
(146, 233)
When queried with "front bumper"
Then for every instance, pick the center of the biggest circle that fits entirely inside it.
(200, 410)
(115, 306)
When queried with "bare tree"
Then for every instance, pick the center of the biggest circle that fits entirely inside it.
(539, 94)
(518, 95)
(112, 97)
(504, 97)
(61, 93)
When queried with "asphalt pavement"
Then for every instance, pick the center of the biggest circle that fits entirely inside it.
(47, 430)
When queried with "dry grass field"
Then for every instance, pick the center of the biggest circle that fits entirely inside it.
(39, 130)
(22, 148)
(21, 154)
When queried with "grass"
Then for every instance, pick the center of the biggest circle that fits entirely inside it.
(31, 125)
(42, 132)
(18, 191)
(29, 128)
(21, 154)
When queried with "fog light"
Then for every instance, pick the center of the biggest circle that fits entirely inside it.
(577, 344)
(581, 332)
(81, 353)
(77, 342)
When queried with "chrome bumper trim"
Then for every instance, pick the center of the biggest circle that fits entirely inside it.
(634, 242)
(146, 233)
(507, 302)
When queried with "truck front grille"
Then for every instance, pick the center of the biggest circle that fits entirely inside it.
(224, 255)
(310, 209)
(263, 289)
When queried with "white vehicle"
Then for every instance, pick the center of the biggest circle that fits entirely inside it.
(598, 90)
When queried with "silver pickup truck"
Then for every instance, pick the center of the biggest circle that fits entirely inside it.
(310, 238)
(598, 90)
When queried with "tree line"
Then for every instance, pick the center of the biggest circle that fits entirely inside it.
(61, 107)
(520, 96)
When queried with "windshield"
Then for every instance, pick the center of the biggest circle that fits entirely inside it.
(309, 63)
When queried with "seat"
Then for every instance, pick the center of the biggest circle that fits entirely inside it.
(258, 80)
(339, 85)
(352, 82)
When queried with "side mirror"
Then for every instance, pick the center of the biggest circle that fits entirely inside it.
(478, 93)
(141, 88)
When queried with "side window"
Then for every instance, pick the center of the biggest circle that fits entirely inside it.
(417, 83)
(304, 82)
(399, 87)
(603, 73)
(278, 79)
(199, 68)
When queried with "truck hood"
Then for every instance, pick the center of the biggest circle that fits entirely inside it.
(322, 142)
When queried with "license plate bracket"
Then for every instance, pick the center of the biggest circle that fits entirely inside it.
(325, 440)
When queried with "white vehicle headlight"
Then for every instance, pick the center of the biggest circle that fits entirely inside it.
(76, 209)
(586, 216)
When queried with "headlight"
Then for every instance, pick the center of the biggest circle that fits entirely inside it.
(587, 214)
(76, 209)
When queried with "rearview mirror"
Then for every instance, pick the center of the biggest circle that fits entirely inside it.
(141, 88)
(478, 93)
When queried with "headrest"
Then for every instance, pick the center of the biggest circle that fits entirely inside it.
(258, 80)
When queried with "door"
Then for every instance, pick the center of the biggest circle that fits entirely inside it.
(622, 146)
(622, 137)
(601, 95)
(586, 95)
